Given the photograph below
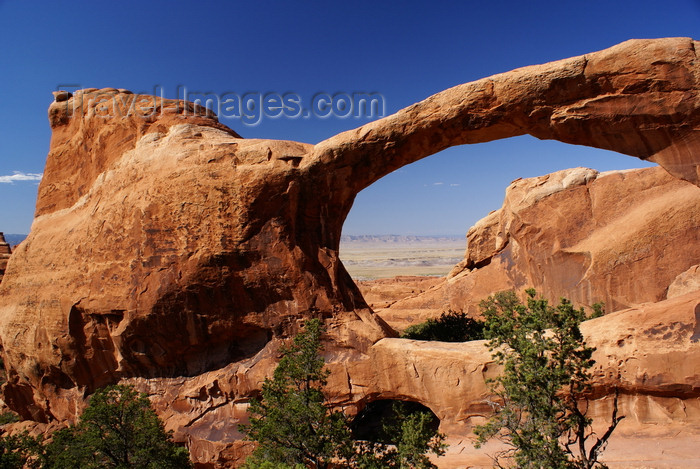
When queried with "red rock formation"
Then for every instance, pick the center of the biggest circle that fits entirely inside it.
(622, 238)
(650, 353)
(687, 282)
(185, 248)
(167, 250)
(382, 293)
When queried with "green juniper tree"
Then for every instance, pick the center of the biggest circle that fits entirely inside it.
(120, 430)
(415, 440)
(451, 326)
(542, 413)
(291, 422)
(257, 462)
(20, 451)
(405, 438)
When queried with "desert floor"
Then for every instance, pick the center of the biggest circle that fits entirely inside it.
(373, 257)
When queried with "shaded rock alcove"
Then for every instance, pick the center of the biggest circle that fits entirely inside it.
(369, 422)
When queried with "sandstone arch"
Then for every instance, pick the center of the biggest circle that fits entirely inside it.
(171, 232)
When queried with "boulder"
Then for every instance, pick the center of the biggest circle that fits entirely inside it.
(688, 281)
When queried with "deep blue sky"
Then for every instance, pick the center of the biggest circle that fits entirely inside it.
(404, 50)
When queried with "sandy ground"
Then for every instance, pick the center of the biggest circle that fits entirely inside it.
(647, 447)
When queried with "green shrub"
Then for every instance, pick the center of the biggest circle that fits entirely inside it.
(451, 326)
(598, 311)
(254, 462)
(291, 421)
(8, 417)
(408, 437)
(120, 430)
(542, 405)
(20, 451)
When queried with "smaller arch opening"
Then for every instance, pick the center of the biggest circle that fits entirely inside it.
(379, 420)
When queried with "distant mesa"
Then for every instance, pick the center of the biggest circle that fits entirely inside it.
(399, 239)
(383, 256)
(5, 252)
(14, 239)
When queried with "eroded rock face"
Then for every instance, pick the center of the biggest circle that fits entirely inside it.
(649, 353)
(621, 238)
(170, 252)
(186, 248)
(687, 282)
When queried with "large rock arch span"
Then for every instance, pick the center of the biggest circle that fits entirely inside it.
(163, 242)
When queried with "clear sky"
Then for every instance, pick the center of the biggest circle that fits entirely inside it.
(404, 51)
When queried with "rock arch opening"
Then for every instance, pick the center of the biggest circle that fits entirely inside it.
(414, 221)
(371, 422)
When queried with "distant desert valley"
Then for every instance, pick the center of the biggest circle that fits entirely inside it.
(369, 257)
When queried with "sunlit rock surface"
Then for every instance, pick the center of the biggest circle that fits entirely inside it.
(170, 252)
